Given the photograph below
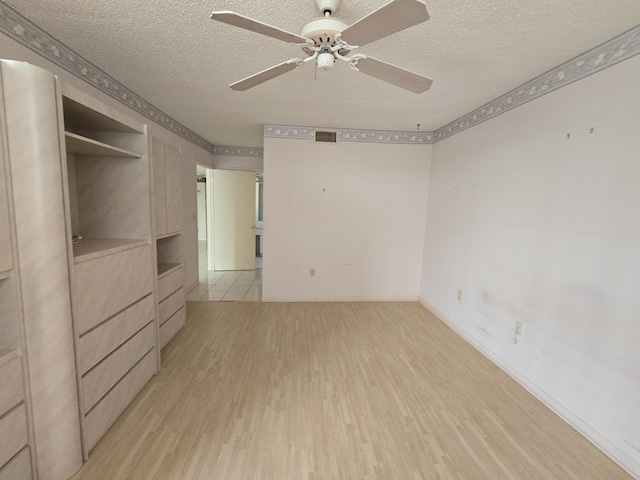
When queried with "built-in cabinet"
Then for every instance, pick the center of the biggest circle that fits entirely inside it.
(91, 274)
(167, 188)
(112, 271)
(168, 207)
(16, 420)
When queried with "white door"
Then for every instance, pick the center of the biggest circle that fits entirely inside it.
(234, 212)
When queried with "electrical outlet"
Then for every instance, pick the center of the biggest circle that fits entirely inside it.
(312, 272)
(459, 295)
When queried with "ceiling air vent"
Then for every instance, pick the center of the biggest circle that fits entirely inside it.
(326, 137)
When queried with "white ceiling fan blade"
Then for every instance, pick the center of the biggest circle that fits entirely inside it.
(393, 17)
(247, 23)
(264, 75)
(391, 74)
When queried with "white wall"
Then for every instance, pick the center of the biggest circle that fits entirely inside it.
(537, 227)
(237, 162)
(12, 50)
(354, 212)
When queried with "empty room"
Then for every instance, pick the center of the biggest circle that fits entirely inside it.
(321, 239)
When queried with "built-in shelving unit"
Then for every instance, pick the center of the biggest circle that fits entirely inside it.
(109, 185)
(167, 175)
(77, 347)
(16, 433)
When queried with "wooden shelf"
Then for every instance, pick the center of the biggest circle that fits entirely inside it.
(167, 235)
(92, 248)
(86, 146)
(165, 269)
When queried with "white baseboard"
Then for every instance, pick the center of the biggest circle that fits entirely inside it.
(338, 299)
(605, 445)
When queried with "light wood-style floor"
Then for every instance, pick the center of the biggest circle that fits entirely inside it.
(335, 391)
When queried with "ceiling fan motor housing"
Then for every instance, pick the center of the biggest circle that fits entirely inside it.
(323, 30)
(327, 6)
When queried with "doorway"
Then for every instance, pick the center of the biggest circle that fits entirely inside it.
(203, 223)
(230, 223)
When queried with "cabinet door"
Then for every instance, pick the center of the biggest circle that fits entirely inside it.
(159, 188)
(6, 261)
(173, 182)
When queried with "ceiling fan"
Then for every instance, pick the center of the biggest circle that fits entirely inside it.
(327, 39)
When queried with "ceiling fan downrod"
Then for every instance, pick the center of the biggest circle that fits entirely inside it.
(327, 7)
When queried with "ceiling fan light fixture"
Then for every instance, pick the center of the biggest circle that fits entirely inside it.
(325, 61)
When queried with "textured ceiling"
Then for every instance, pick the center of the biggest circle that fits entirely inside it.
(172, 55)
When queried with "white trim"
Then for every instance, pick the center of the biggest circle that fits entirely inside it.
(338, 299)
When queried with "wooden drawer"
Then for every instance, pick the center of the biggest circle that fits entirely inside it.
(172, 326)
(13, 433)
(19, 468)
(107, 410)
(105, 375)
(170, 283)
(171, 305)
(101, 341)
(109, 284)
(12, 390)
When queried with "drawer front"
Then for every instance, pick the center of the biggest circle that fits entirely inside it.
(13, 433)
(170, 306)
(12, 392)
(98, 381)
(169, 284)
(106, 285)
(107, 411)
(19, 468)
(100, 342)
(172, 326)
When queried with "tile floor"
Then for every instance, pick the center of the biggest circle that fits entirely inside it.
(229, 286)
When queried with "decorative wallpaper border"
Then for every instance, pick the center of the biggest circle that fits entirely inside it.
(289, 131)
(23, 31)
(384, 136)
(614, 51)
(238, 151)
(350, 135)
(618, 49)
